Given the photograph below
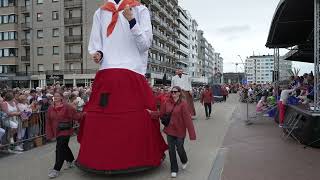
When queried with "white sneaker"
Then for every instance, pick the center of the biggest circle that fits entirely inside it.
(184, 166)
(18, 148)
(53, 174)
(70, 165)
(173, 174)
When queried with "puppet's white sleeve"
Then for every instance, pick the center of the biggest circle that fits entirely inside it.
(142, 31)
(95, 42)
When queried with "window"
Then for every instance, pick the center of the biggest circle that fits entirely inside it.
(5, 19)
(39, 17)
(71, 66)
(55, 0)
(9, 52)
(6, 3)
(55, 32)
(39, 34)
(55, 15)
(27, 2)
(40, 67)
(40, 51)
(56, 67)
(13, 35)
(55, 50)
(39, 1)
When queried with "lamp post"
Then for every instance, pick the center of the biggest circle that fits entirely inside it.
(247, 121)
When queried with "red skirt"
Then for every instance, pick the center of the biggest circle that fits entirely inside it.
(121, 135)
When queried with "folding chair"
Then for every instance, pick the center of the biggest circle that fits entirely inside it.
(262, 113)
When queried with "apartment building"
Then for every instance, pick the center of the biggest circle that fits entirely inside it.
(183, 39)
(194, 61)
(45, 41)
(163, 55)
(206, 58)
(259, 69)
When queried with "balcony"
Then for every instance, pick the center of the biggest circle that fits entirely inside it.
(73, 21)
(25, 58)
(158, 48)
(184, 61)
(25, 25)
(154, 61)
(157, 33)
(176, 12)
(170, 54)
(73, 39)
(183, 51)
(171, 42)
(170, 29)
(170, 6)
(72, 3)
(72, 56)
(156, 18)
(156, 4)
(25, 42)
(25, 9)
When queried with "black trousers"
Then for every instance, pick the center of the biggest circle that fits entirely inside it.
(176, 144)
(63, 152)
(207, 108)
(225, 98)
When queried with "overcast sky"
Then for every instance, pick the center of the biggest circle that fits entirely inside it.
(236, 27)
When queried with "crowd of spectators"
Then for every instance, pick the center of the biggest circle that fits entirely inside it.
(295, 90)
(21, 112)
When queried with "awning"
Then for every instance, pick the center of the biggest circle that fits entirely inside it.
(292, 24)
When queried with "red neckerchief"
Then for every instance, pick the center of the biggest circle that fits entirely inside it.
(109, 6)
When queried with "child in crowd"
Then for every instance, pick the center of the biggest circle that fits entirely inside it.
(262, 104)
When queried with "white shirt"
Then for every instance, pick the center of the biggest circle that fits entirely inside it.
(184, 82)
(285, 95)
(125, 48)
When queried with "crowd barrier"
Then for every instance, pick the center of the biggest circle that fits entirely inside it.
(29, 134)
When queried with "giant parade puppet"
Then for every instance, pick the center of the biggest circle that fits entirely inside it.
(117, 134)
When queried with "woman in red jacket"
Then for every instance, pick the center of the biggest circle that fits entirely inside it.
(207, 100)
(180, 121)
(59, 125)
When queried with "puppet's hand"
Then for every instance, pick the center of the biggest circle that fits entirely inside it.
(127, 13)
(96, 57)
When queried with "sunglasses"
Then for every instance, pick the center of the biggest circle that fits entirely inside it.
(174, 92)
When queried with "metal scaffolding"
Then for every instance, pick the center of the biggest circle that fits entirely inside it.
(316, 55)
(276, 72)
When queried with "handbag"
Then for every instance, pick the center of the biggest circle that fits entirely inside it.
(166, 118)
(64, 126)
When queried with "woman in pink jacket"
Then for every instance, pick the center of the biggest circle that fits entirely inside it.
(180, 122)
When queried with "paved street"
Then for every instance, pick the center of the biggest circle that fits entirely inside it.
(34, 164)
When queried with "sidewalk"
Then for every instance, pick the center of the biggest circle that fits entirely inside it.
(258, 152)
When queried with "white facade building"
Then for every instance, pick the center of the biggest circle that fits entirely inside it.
(259, 69)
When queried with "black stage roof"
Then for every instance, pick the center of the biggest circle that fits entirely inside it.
(292, 25)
